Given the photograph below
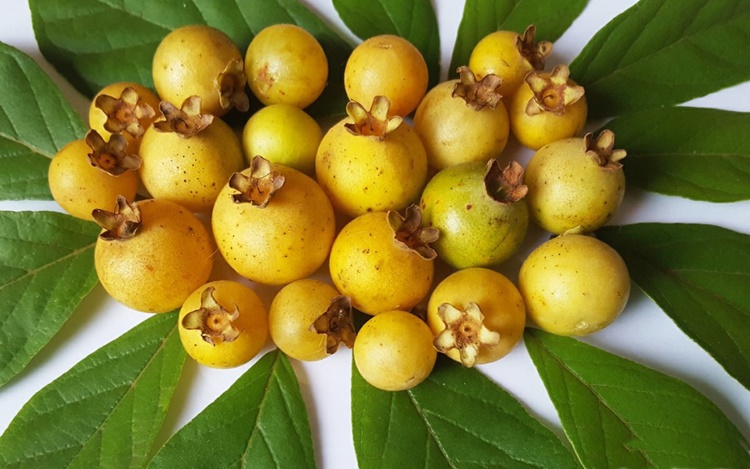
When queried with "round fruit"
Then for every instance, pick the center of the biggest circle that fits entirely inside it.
(283, 134)
(309, 319)
(574, 285)
(273, 224)
(152, 254)
(80, 187)
(547, 107)
(382, 261)
(477, 316)
(198, 60)
(223, 324)
(575, 182)
(479, 211)
(461, 121)
(390, 66)
(369, 162)
(285, 64)
(393, 351)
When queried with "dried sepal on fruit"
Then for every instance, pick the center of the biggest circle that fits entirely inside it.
(186, 121)
(464, 331)
(126, 113)
(601, 149)
(409, 232)
(534, 52)
(230, 84)
(372, 123)
(552, 92)
(214, 321)
(505, 185)
(337, 324)
(478, 94)
(257, 188)
(110, 156)
(121, 224)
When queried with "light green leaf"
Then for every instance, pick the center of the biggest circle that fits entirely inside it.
(35, 122)
(699, 276)
(260, 421)
(482, 17)
(105, 411)
(697, 153)
(618, 413)
(413, 20)
(662, 52)
(46, 269)
(455, 418)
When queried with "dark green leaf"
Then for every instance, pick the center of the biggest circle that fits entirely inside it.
(46, 269)
(260, 421)
(115, 41)
(105, 411)
(35, 122)
(697, 153)
(482, 17)
(455, 418)
(413, 20)
(618, 413)
(662, 52)
(698, 274)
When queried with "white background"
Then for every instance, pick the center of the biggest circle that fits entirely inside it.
(643, 332)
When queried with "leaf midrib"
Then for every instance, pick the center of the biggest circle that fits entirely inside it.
(43, 267)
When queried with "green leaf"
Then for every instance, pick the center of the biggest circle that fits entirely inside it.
(482, 17)
(662, 52)
(697, 153)
(618, 413)
(107, 410)
(260, 421)
(46, 269)
(94, 43)
(698, 274)
(413, 20)
(457, 417)
(35, 122)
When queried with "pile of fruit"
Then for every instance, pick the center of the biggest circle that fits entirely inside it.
(405, 195)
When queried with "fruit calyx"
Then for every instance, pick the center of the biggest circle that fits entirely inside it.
(121, 224)
(477, 94)
(372, 123)
(257, 188)
(337, 324)
(186, 121)
(110, 156)
(464, 331)
(214, 322)
(530, 50)
(601, 150)
(230, 84)
(552, 92)
(125, 114)
(410, 234)
(504, 185)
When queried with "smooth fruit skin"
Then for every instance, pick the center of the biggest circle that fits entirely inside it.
(293, 310)
(453, 133)
(376, 272)
(574, 285)
(80, 187)
(187, 62)
(284, 134)
(364, 174)
(390, 66)
(158, 268)
(190, 171)
(287, 240)
(568, 189)
(393, 351)
(286, 64)
(498, 54)
(475, 230)
(498, 298)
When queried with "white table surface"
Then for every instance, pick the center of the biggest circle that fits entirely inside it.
(643, 332)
